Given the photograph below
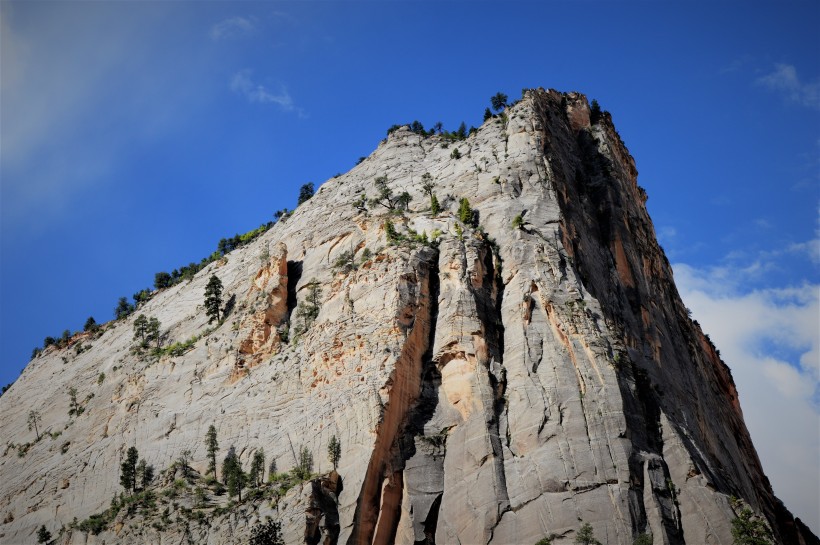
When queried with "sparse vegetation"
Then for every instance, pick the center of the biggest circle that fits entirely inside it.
(33, 420)
(308, 309)
(304, 469)
(643, 539)
(455, 154)
(518, 222)
(748, 528)
(346, 262)
(74, 408)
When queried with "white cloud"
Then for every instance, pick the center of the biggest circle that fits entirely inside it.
(232, 28)
(783, 79)
(242, 84)
(769, 338)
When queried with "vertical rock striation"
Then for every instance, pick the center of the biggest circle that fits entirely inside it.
(533, 369)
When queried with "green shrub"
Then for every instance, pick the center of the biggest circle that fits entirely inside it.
(465, 212)
(518, 222)
(455, 154)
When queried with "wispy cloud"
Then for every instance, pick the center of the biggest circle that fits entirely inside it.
(242, 84)
(784, 80)
(233, 27)
(769, 338)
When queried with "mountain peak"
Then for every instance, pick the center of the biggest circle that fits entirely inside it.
(482, 323)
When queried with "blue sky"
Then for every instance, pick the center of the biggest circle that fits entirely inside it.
(135, 135)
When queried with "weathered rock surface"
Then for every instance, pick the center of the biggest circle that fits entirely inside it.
(498, 387)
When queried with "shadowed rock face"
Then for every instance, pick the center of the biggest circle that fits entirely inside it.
(498, 387)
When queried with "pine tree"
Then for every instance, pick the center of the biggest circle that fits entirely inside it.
(212, 446)
(487, 114)
(162, 280)
(334, 451)
(257, 472)
(435, 207)
(498, 101)
(128, 469)
(43, 535)
(213, 298)
(123, 309)
(267, 533)
(145, 473)
(141, 329)
(465, 212)
(585, 535)
(305, 193)
(90, 324)
(152, 331)
(305, 467)
(33, 420)
(594, 112)
(232, 474)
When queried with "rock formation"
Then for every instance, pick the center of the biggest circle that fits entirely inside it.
(494, 374)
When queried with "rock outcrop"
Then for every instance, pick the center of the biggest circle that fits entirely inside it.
(493, 376)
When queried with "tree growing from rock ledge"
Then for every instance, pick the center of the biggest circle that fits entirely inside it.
(128, 469)
(232, 473)
(33, 419)
(334, 451)
(305, 193)
(212, 446)
(748, 529)
(257, 472)
(213, 298)
(498, 101)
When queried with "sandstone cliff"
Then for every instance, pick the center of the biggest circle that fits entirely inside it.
(532, 370)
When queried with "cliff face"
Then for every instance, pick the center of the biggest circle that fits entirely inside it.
(533, 369)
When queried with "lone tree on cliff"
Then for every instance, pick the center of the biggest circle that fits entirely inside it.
(33, 419)
(232, 474)
(334, 451)
(43, 535)
(498, 101)
(212, 446)
(305, 193)
(128, 469)
(213, 298)
(257, 473)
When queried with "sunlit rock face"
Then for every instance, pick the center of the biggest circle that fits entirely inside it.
(493, 376)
